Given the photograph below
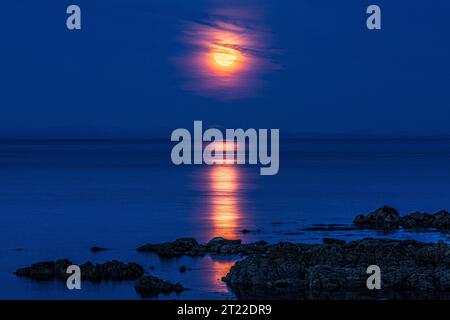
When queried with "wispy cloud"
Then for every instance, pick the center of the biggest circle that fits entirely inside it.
(227, 54)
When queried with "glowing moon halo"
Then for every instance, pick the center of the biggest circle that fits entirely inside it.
(224, 57)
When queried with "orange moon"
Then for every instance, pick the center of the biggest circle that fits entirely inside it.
(225, 57)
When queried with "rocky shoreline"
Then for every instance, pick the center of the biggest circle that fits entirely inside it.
(334, 269)
(389, 218)
(114, 270)
(111, 270)
(331, 270)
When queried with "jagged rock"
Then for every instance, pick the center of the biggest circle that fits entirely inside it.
(219, 244)
(337, 269)
(252, 248)
(324, 278)
(417, 220)
(223, 246)
(279, 264)
(385, 217)
(388, 218)
(360, 220)
(150, 286)
(181, 246)
(111, 270)
(46, 270)
(441, 220)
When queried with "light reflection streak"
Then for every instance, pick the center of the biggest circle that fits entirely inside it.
(224, 201)
(220, 269)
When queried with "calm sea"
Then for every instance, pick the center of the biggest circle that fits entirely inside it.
(59, 198)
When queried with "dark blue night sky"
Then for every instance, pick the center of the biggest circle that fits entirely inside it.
(116, 78)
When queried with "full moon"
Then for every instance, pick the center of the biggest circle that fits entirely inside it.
(225, 57)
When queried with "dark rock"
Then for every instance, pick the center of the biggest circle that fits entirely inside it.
(250, 248)
(46, 270)
(417, 220)
(111, 270)
(181, 246)
(388, 218)
(277, 223)
(333, 241)
(324, 278)
(190, 247)
(328, 227)
(199, 250)
(336, 269)
(98, 249)
(223, 246)
(360, 219)
(151, 286)
(184, 244)
(383, 218)
(216, 244)
(245, 231)
(441, 220)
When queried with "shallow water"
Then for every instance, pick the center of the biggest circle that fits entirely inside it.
(57, 199)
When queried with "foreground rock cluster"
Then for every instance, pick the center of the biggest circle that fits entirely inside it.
(389, 218)
(334, 269)
(111, 270)
(190, 247)
(150, 286)
(339, 270)
(145, 285)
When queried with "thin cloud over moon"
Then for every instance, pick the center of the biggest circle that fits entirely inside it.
(226, 55)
